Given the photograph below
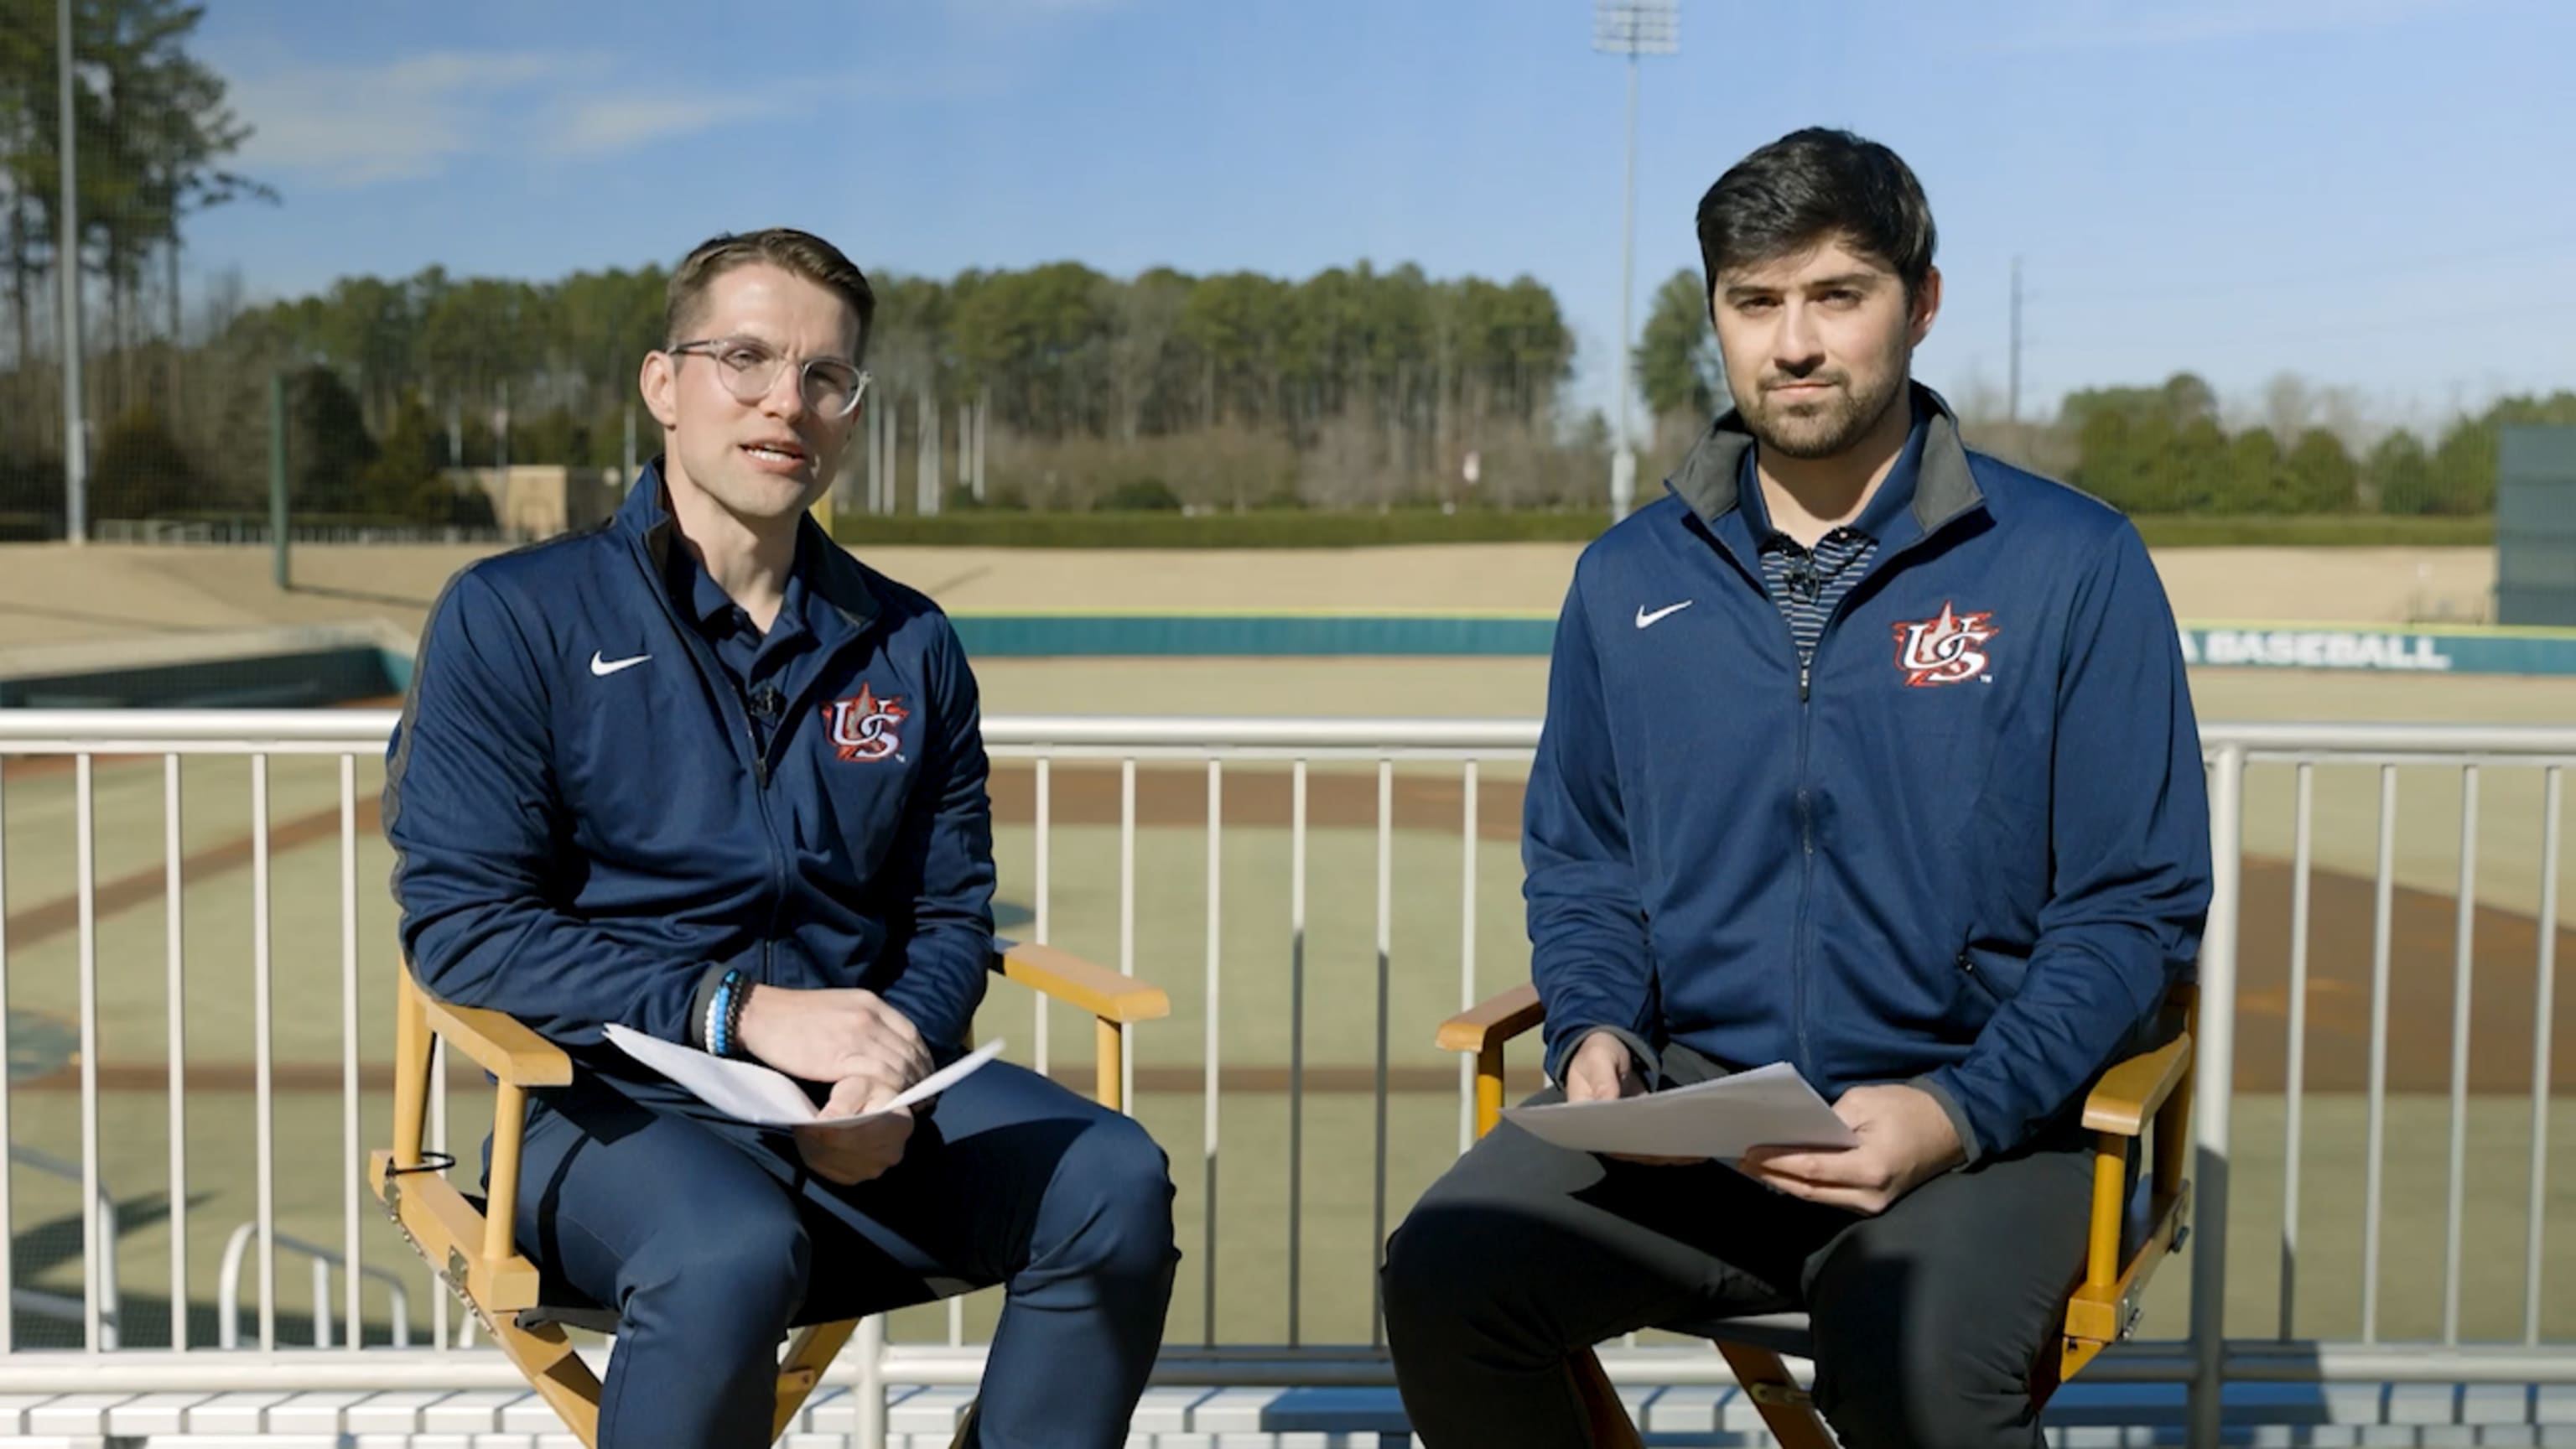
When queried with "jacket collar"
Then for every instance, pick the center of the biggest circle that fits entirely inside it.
(826, 569)
(1944, 485)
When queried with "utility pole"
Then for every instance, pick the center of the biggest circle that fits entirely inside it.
(876, 455)
(925, 472)
(67, 264)
(277, 511)
(2012, 394)
(1631, 28)
(983, 413)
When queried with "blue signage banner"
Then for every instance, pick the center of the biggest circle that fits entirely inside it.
(2444, 650)
(2418, 651)
(1253, 635)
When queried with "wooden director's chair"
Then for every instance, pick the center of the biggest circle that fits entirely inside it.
(469, 1241)
(2132, 1230)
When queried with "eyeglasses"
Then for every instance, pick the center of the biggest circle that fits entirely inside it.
(749, 368)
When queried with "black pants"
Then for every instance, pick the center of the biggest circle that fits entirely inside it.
(1929, 1319)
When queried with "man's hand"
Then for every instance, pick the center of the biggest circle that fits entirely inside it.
(841, 1035)
(848, 1155)
(1602, 1069)
(1905, 1140)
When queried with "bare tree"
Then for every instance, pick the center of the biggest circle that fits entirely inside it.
(1143, 316)
(2289, 406)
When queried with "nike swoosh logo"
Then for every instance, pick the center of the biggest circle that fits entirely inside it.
(605, 667)
(1644, 618)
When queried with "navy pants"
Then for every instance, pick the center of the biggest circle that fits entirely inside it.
(711, 1241)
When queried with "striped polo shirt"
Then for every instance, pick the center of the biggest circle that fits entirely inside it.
(1808, 584)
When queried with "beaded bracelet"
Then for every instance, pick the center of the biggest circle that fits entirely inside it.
(724, 1014)
(735, 993)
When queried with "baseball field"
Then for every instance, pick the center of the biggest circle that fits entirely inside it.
(110, 600)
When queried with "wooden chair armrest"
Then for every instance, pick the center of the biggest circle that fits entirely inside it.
(2129, 1094)
(1070, 979)
(505, 1048)
(1493, 1021)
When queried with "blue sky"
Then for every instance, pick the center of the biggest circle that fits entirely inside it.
(2377, 194)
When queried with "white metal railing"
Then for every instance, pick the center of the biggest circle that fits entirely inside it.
(2204, 1359)
(228, 1290)
(101, 1222)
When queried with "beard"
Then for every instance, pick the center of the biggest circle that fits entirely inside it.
(1827, 425)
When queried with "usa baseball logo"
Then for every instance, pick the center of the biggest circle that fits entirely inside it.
(1943, 650)
(863, 725)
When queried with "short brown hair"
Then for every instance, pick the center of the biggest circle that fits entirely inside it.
(798, 253)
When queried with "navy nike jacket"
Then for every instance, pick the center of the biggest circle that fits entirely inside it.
(584, 831)
(1967, 848)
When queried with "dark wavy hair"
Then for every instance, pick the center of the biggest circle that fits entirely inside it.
(1811, 186)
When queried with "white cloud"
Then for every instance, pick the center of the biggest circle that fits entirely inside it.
(348, 127)
(355, 126)
(456, 71)
(2104, 26)
(1053, 7)
(603, 124)
(320, 125)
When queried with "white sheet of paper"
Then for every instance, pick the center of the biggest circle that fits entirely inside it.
(1769, 1106)
(765, 1097)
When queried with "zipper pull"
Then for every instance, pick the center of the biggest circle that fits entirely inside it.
(760, 771)
(1803, 669)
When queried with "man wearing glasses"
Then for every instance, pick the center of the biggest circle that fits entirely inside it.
(700, 773)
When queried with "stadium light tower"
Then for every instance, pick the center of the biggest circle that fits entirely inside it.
(1631, 28)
